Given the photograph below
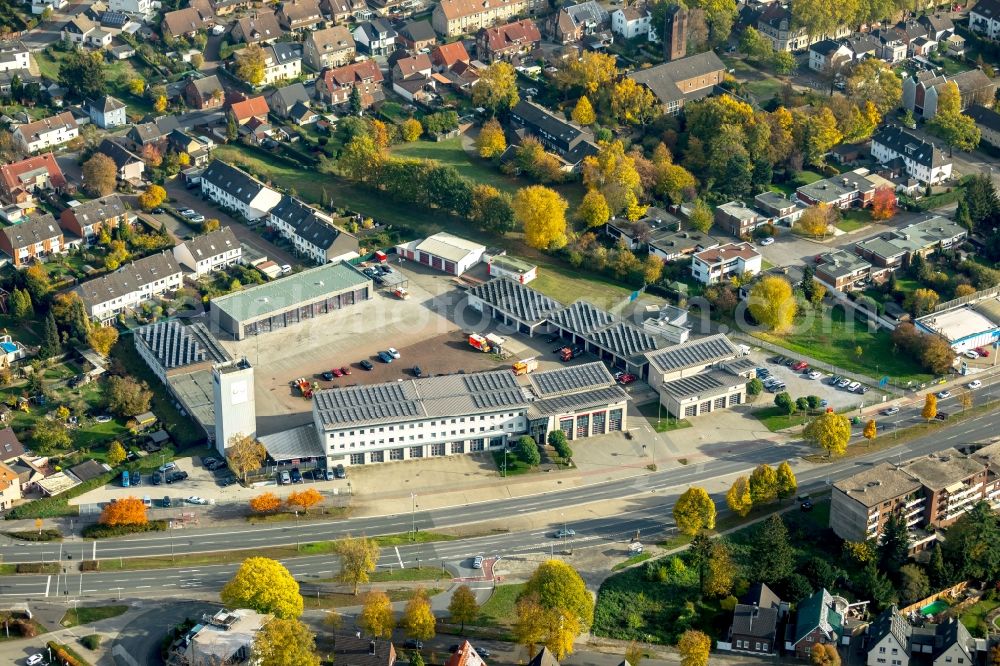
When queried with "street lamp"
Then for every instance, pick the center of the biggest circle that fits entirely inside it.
(413, 517)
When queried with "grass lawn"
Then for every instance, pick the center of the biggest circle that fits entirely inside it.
(451, 153)
(421, 537)
(853, 220)
(88, 614)
(411, 574)
(974, 617)
(831, 339)
(660, 421)
(25, 332)
(499, 609)
(774, 419)
(342, 599)
(635, 559)
(514, 465)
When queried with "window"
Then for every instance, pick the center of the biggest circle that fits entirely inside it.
(757, 646)
(881, 650)
(478, 444)
(377, 456)
(458, 447)
(396, 454)
(437, 449)
(416, 452)
(765, 646)
(357, 459)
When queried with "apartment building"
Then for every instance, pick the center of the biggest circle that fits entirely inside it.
(720, 263)
(237, 190)
(507, 42)
(892, 641)
(930, 491)
(738, 219)
(777, 25)
(331, 47)
(451, 18)
(312, 232)
(38, 236)
(46, 133)
(209, 252)
(920, 159)
(138, 281)
(894, 249)
(984, 18)
(922, 90)
(569, 141)
(845, 271)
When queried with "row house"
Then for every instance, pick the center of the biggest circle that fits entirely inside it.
(311, 232)
(184, 22)
(890, 639)
(282, 61)
(777, 25)
(237, 190)
(226, 7)
(88, 219)
(921, 160)
(375, 37)
(507, 42)
(20, 181)
(852, 189)
(13, 56)
(131, 285)
(721, 263)
(209, 252)
(984, 18)
(299, 15)
(36, 237)
(452, 18)
(445, 56)
(334, 86)
(921, 91)
(257, 28)
(282, 100)
(331, 47)
(344, 11)
(988, 122)
(895, 249)
(569, 141)
(46, 133)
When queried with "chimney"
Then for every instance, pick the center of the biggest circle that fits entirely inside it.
(371, 648)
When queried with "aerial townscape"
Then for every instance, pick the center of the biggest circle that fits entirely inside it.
(496, 332)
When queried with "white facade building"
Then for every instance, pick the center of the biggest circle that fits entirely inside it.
(632, 22)
(443, 252)
(237, 190)
(721, 263)
(13, 56)
(46, 133)
(923, 161)
(210, 252)
(134, 283)
(137, 8)
(984, 18)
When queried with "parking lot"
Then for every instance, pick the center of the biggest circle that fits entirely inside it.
(799, 384)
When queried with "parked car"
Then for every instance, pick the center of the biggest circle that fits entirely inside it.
(392, 352)
(627, 378)
(167, 467)
(806, 506)
(892, 411)
(417, 372)
(135, 478)
(284, 478)
(974, 384)
(165, 502)
(327, 376)
(835, 379)
(800, 366)
(103, 418)
(844, 383)
(941, 416)
(385, 357)
(853, 386)
(157, 478)
(174, 477)
(413, 644)
(366, 364)
(227, 481)
(329, 475)
(764, 242)
(285, 269)
(983, 351)
(194, 499)
(970, 354)
(35, 659)
(344, 370)
(197, 219)
(815, 374)
(296, 475)
(340, 472)
(943, 395)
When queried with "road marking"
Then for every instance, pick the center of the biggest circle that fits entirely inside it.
(48, 581)
(142, 587)
(400, 558)
(94, 555)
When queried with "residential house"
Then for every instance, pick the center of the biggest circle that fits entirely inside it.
(988, 122)
(129, 165)
(778, 208)
(198, 148)
(13, 56)
(334, 86)
(237, 190)
(85, 31)
(343, 11)
(140, 9)
(206, 93)
(755, 622)
(574, 22)
(375, 37)
(29, 176)
(411, 76)
(698, 377)
(892, 640)
(46, 133)
(11, 447)
(331, 47)
(10, 487)
(37, 237)
(225, 7)
(829, 57)
(678, 81)
(223, 638)
(954, 44)
(134, 283)
(282, 100)
(544, 658)
(417, 36)
(299, 15)
(921, 91)
(984, 18)
(816, 622)
(892, 48)
(39, 6)
(863, 45)
(631, 22)
(248, 109)
(258, 28)
(209, 252)
(846, 271)
(312, 232)
(920, 159)
(88, 219)
(776, 24)
(726, 261)
(569, 141)
(896, 248)
(851, 189)
(507, 42)
(738, 219)
(352, 648)
(661, 234)
(465, 655)
(282, 62)
(451, 18)
(184, 22)
(922, 47)
(444, 56)
(107, 112)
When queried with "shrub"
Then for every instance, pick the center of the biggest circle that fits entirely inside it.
(36, 568)
(90, 565)
(35, 535)
(91, 642)
(61, 655)
(98, 531)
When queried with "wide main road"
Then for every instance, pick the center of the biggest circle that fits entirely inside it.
(653, 495)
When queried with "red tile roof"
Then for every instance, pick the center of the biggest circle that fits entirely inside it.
(352, 74)
(250, 108)
(11, 172)
(447, 55)
(517, 33)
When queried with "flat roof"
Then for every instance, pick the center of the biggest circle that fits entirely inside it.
(958, 324)
(513, 264)
(300, 442)
(284, 293)
(878, 484)
(839, 263)
(195, 392)
(944, 468)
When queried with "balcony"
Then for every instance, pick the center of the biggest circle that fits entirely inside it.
(914, 502)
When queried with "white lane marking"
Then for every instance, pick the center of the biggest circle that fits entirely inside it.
(400, 558)
(48, 581)
(94, 554)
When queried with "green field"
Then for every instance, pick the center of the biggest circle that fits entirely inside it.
(831, 339)
(774, 419)
(499, 609)
(974, 617)
(451, 153)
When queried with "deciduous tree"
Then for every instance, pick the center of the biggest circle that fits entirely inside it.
(376, 616)
(695, 647)
(124, 511)
(491, 141)
(153, 197)
(127, 397)
(921, 301)
(265, 503)
(100, 175)
(48, 436)
(787, 483)
(499, 94)
(757, 47)
(871, 430)
(914, 584)
(772, 303)
(763, 484)
(824, 654)
(694, 511)
(531, 623)
(264, 585)
(492, 209)
(701, 216)
(358, 559)
(957, 129)
(463, 607)
(250, 65)
(593, 210)
(829, 431)
(102, 339)
(304, 500)
(872, 80)
(883, 204)
(613, 172)
(633, 103)
(411, 129)
(245, 454)
(815, 221)
(542, 214)
(116, 454)
(583, 112)
(284, 642)
(930, 407)
(418, 619)
(591, 73)
(559, 587)
(83, 73)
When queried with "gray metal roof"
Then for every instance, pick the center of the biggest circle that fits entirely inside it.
(572, 378)
(565, 404)
(175, 345)
(195, 391)
(131, 277)
(624, 340)
(286, 292)
(234, 181)
(581, 317)
(693, 353)
(706, 384)
(301, 442)
(515, 299)
(415, 399)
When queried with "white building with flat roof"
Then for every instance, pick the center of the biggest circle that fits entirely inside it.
(967, 326)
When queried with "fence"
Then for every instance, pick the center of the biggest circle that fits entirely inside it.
(971, 298)
(952, 591)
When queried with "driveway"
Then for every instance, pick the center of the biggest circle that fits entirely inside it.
(185, 198)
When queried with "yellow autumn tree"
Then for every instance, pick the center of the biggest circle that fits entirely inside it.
(738, 498)
(264, 585)
(772, 303)
(694, 511)
(583, 112)
(542, 214)
(613, 172)
(491, 141)
(633, 103)
(593, 210)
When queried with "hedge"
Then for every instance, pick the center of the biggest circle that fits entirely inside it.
(98, 531)
(35, 535)
(63, 654)
(91, 642)
(37, 568)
